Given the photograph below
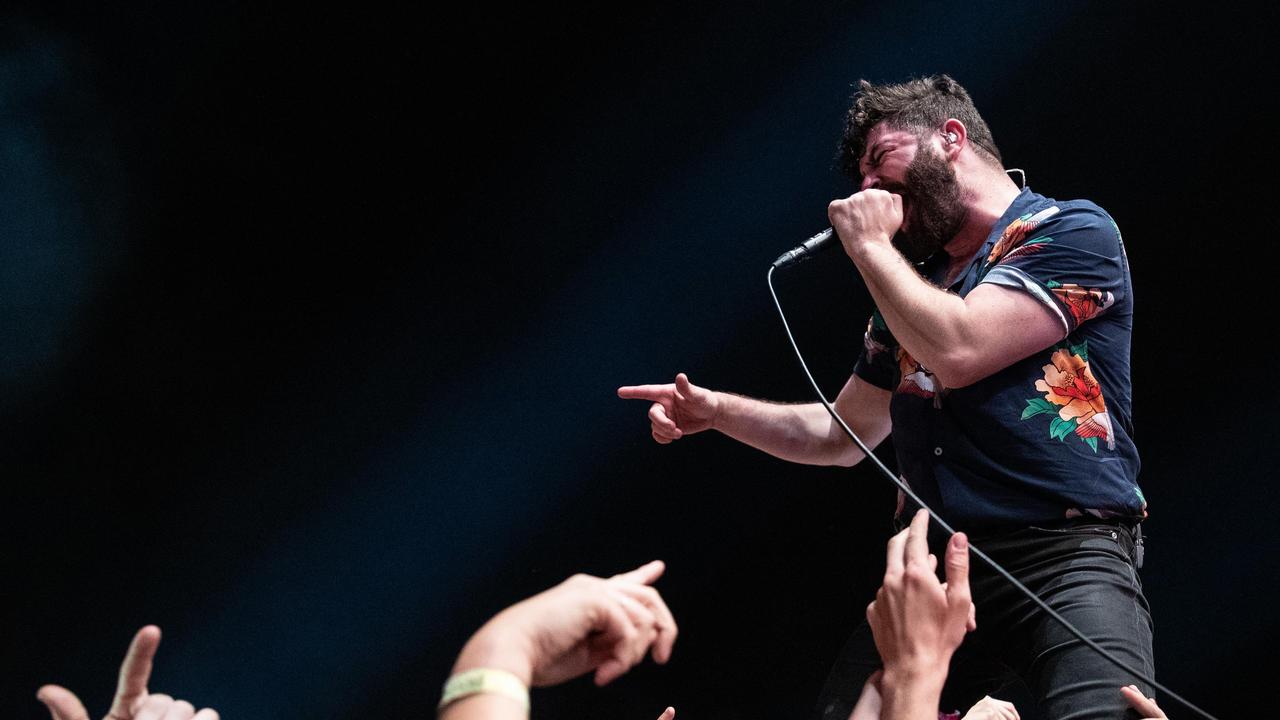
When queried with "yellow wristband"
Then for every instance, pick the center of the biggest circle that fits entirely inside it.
(484, 680)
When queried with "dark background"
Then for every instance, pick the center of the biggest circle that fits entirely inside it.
(312, 323)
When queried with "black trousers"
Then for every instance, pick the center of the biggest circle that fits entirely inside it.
(1086, 570)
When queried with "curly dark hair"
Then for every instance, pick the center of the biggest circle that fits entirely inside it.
(920, 104)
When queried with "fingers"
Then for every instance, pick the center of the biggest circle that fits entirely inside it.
(179, 710)
(1145, 706)
(663, 425)
(958, 596)
(155, 707)
(641, 617)
(636, 585)
(917, 550)
(644, 392)
(617, 635)
(668, 714)
(62, 703)
(646, 574)
(664, 623)
(135, 671)
(893, 565)
(207, 714)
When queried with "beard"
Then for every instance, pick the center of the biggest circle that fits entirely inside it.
(937, 209)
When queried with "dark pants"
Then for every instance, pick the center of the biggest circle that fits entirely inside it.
(1086, 571)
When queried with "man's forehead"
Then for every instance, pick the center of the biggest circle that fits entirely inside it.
(883, 132)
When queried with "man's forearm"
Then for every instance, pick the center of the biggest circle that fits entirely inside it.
(927, 321)
(798, 433)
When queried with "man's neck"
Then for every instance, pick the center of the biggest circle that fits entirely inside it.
(989, 197)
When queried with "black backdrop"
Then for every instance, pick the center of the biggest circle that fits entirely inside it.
(312, 323)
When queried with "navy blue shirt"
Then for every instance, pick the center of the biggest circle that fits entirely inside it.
(1049, 437)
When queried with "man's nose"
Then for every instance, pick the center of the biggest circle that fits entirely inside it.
(869, 181)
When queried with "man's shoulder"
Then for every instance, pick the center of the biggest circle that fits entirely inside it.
(1047, 216)
(1080, 210)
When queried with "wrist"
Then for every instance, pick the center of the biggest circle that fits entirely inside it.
(865, 249)
(718, 402)
(497, 647)
(922, 676)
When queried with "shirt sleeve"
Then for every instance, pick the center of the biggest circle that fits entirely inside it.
(878, 361)
(1069, 258)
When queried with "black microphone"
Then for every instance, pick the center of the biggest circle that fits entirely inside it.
(822, 241)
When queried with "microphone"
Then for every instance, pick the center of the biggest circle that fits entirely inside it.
(822, 241)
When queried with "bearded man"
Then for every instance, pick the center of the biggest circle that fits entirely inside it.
(998, 356)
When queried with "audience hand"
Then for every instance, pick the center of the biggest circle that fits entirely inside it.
(583, 624)
(1145, 706)
(132, 701)
(917, 621)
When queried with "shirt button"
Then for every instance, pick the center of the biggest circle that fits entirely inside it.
(937, 451)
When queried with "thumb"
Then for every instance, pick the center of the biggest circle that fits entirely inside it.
(62, 703)
(684, 388)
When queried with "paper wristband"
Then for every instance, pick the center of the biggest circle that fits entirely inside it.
(484, 680)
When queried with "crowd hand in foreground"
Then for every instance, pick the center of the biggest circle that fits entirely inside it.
(917, 621)
(132, 701)
(584, 624)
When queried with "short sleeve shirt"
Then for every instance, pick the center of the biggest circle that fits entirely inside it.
(1049, 437)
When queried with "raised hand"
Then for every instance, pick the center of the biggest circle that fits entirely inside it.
(680, 408)
(917, 621)
(132, 701)
(584, 624)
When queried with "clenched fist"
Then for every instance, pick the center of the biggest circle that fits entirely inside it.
(867, 217)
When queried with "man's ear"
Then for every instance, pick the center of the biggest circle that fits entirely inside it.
(955, 136)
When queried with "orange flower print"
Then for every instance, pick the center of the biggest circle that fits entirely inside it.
(1069, 385)
(1016, 232)
(1084, 303)
(916, 380)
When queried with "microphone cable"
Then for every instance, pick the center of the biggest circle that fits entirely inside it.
(972, 548)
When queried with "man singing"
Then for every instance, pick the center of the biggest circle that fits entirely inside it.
(998, 356)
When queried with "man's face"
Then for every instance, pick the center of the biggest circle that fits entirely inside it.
(904, 163)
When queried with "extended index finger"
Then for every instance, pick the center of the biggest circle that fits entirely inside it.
(646, 574)
(893, 555)
(918, 538)
(135, 671)
(644, 392)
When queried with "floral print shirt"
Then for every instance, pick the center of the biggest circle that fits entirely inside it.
(1049, 437)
